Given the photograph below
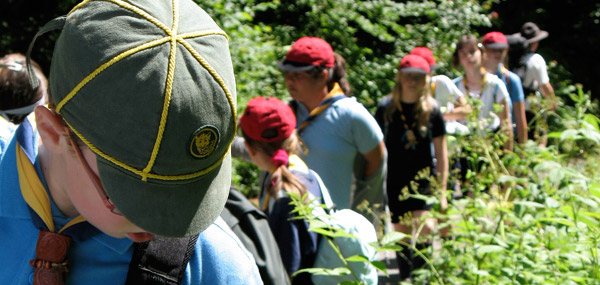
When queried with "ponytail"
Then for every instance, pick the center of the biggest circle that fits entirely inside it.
(338, 74)
(282, 178)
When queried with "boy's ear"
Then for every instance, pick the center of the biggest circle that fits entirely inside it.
(51, 129)
(325, 75)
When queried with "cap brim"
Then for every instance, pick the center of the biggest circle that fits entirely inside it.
(286, 66)
(413, 70)
(496, 45)
(170, 209)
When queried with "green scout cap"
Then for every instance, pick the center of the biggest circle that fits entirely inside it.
(148, 86)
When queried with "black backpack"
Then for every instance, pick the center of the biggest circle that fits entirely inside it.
(252, 228)
(163, 260)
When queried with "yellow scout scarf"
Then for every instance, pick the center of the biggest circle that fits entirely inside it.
(334, 95)
(52, 247)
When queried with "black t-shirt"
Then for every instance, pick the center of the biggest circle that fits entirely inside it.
(403, 163)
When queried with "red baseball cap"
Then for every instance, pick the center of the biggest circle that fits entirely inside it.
(495, 40)
(414, 63)
(306, 53)
(425, 53)
(264, 114)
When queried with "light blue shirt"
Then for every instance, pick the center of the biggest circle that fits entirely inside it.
(515, 88)
(333, 139)
(219, 257)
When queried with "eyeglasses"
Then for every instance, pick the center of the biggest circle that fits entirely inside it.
(93, 176)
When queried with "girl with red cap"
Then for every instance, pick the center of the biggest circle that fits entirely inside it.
(268, 126)
(411, 121)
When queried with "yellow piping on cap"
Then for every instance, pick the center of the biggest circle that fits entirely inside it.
(168, 92)
(173, 38)
(216, 76)
(104, 66)
(134, 9)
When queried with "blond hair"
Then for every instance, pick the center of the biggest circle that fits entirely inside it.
(282, 178)
(425, 103)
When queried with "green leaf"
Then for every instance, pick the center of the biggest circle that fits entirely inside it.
(592, 120)
(393, 237)
(485, 249)
(380, 266)
(339, 271)
(530, 204)
(357, 258)
(560, 221)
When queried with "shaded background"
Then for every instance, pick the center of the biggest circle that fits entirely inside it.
(574, 28)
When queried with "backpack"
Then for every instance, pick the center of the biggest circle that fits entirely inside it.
(164, 260)
(160, 260)
(251, 226)
(352, 223)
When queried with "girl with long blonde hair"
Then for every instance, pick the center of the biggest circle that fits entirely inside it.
(411, 121)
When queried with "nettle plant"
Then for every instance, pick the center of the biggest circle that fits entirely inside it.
(528, 216)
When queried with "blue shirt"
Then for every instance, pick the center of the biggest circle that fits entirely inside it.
(219, 257)
(514, 86)
(333, 139)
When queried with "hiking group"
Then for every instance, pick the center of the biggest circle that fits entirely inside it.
(117, 168)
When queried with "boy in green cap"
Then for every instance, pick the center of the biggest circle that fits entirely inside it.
(135, 143)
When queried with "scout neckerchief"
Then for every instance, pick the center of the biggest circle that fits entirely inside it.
(503, 70)
(294, 163)
(52, 247)
(334, 95)
(483, 81)
(409, 134)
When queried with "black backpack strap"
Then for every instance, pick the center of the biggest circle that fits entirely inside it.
(160, 260)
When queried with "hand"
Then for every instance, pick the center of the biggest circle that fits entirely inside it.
(443, 204)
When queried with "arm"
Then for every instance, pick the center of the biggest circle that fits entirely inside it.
(441, 155)
(373, 159)
(520, 121)
(548, 91)
(506, 125)
(460, 111)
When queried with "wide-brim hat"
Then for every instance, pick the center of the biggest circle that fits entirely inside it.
(149, 87)
(532, 33)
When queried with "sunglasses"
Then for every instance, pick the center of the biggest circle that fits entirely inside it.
(92, 175)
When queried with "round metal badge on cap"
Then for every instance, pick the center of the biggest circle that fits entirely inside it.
(204, 141)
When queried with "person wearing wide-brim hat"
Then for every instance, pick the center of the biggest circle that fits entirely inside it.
(533, 70)
(535, 74)
(132, 148)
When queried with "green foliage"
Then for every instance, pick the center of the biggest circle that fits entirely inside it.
(531, 216)
(371, 35)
